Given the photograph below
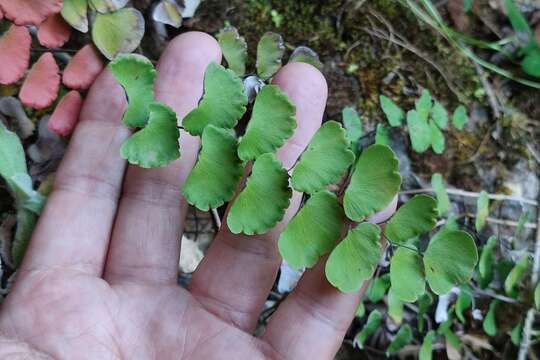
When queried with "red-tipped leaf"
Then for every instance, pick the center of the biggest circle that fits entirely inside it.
(14, 54)
(29, 12)
(54, 32)
(83, 68)
(66, 114)
(40, 87)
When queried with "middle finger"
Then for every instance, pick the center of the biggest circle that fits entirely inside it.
(249, 264)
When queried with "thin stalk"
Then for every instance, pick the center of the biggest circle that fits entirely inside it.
(464, 193)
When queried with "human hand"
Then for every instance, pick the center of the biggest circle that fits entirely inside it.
(99, 278)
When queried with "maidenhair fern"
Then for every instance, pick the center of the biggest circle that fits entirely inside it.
(426, 122)
(325, 223)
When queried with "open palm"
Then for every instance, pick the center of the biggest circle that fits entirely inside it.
(99, 278)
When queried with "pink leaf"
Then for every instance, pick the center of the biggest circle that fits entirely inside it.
(26, 12)
(66, 114)
(83, 68)
(14, 54)
(40, 87)
(54, 32)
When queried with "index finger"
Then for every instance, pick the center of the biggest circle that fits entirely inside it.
(74, 228)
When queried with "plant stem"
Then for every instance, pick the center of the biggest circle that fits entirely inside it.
(401, 245)
(459, 192)
(494, 295)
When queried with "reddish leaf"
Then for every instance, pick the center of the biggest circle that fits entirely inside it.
(40, 87)
(14, 54)
(83, 68)
(66, 114)
(26, 12)
(54, 32)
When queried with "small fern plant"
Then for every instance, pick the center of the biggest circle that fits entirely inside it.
(369, 177)
(426, 122)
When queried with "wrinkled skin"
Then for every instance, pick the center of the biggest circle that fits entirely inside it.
(99, 278)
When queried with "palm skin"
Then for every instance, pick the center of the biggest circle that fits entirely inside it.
(74, 316)
(98, 280)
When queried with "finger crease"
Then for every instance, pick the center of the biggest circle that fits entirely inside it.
(310, 305)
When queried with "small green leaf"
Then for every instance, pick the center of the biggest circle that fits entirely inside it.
(136, 74)
(439, 115)
(234, 49)
(512, 280)
(424, 104)
(437, 138)
(518, 21)
(452, 340)
(393, 112)
(407, 275)
(223, 103)
(503, 268)
(446, 326)
(449, 260)
(515, 334)
(424, 302)
(451, 223)
(354, 259)
(270, 50)
(12, 158)
(24, 193)
(531, 62)
(426, 348)
(490, 324)
(26, 222)
(374, 183)
(485, 265)
(360, 310)
(268, 181)
(325, 160)
(105, 6)
(482, 210)
(463, 302)
(443, 202)
(306, 55)
(217, 172)
(416, 217)
(403, 337)
(157, 144)
(395, 307)
(14, 171)
(353, 125)
(313, 232)
(272, 123)
(460, 117)
(118, 32)
(373, 322)
(419, 132)
(523, 219)
(537, 296)
(378, 287)
(382, 135)
(75, 14)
